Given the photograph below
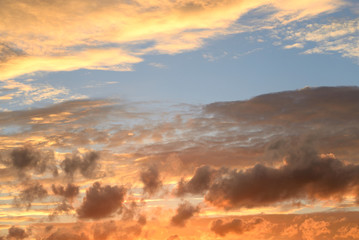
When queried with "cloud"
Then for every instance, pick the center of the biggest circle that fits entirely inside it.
(63, 207)
(116, 30)
(305, 175)
(184, 212)
(101, 202)
(347, 232)
(62, 235)
(311, 229)
(150, 178)
(97, 59)
(335, 36)
(236, 226)
(69, 192)
(173, 237)
(86, 164)
(199, 183)
(25, 93)
(29, 194)
(326, 104)
(16, 233)
(27, 159)
(116, 230)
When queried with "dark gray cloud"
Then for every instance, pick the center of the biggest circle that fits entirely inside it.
(68, 192)
(86, 164)
(101, 201)
(16, 233)
(29, 194)
(305, 175)
(237, 226)
(198, 184)
(27, 159)
(184, 212)
(150, 178)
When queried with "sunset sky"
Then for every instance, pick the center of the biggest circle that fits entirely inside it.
(179, 119)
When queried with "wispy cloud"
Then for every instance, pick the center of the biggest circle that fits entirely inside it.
(335, 36)
(41, 36)
(28, 93)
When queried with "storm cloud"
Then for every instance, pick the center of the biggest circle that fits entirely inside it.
(101, 201)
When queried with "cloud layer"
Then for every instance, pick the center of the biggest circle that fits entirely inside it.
(94, 169)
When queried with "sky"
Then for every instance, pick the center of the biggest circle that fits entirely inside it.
(179, 119)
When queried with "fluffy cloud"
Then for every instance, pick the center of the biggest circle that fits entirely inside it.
(101, 201)
(150, 178)
(85, 164)
(199, 183)
(184, 212)
(17, 233)
(68, 192)
(305, 175)
(29, 194)
(27, 159)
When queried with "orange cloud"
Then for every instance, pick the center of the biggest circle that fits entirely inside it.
(58, 36)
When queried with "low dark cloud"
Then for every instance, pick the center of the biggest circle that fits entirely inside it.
(27, 159)
(198, 184)
(29, 194)
(150, 178)
(305, 175)
(86, 164)
(237, 226)
(68, 192)
(16, 233)
(63, 207)
(184, 212)
(101, 201)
